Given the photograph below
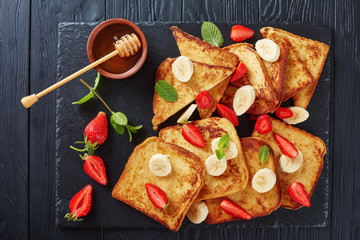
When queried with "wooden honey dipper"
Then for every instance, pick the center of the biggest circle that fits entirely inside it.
(127, 46)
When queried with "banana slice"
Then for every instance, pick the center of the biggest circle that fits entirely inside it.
(263, 180)
(187, 114)
(214, 166)
(160, 165)
(268, 50)
(183, 68)
(299, 115)
(230, 152)
(243, 99)
(198, 212)
(290, 165)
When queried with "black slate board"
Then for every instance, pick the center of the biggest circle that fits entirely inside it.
(133, 96)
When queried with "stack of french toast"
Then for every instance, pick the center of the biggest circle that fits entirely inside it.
(221, 177)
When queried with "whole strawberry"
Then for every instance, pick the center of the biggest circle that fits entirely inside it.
(97, 129)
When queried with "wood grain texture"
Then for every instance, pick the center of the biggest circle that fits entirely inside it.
(14, 67)
(45, 17)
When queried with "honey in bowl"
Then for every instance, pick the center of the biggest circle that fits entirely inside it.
(104, 44)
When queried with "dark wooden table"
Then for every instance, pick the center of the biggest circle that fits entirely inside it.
(28, 48)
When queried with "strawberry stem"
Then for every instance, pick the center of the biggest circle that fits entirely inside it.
(79, 150)
(93, 91)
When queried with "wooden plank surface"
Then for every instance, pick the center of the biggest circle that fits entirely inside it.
(14, 77)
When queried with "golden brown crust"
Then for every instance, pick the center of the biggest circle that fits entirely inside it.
(181, 186)
(255, 203)
(313, 150)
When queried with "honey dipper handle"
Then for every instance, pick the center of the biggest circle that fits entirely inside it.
(28, 101)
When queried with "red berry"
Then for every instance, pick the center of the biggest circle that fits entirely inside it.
(263, 124)
(95, 168)
(283, 112)
(157, 196)
(239, 73)
(193, 135)
(204, 100)
(80, 204)
(298, 194)
(227, 113)
(233, 209)
(286, 147)
(97, 129)
(240, 33)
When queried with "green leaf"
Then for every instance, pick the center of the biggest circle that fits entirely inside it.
(134, 129)
(120, 129)
(166, 91)
(224, 141)
(119, 118)
(85, 99)
(97, 80)
(130, 134)
(264, 154)
(219, 154)
(211, 34)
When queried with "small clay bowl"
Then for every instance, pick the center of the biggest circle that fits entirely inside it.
(105, 31)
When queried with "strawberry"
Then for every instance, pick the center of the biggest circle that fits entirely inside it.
(157, 196)
(193, 135)
(263, 124)
(204, 100)
(80, 204)
(97, 129)
(227, 113)
(286, 147)
(283, 112)
(240, 33)
(233, 209)
(239, 73)
(298, 194)
(95, 168)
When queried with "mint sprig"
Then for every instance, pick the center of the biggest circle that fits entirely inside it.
(90, 94)
(264, 154)
(211, 34)
(118, 120)
(222, 145)
(166, 91)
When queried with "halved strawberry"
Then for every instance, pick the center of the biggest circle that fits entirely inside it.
(80, 204)
(298, 194)
(239, 73)
(286, 147)
(157, 196)
(204, 100)
(233, 209)
(227, 113)
(263, 124)
(193, 135)
(283, 112)
(240, 33)
(95, 168)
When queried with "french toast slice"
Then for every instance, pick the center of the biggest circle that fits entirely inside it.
(205, 77)
(181, 186)
(312, 53)
(313, 150)
(255, 203)
(235, 177)
(199, 50)
(276, 72)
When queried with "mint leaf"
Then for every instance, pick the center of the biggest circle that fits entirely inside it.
(219, 154)
(85, 99)
(120, 129)
(264, 154)
(134, 129)
(119, 118)
(97, 80)
(211, 34)
(166, 91)
(224, 141)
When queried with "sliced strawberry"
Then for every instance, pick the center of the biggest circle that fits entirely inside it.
(97, 129)
(157, 196)
(263, 124)
(95, 168)
(240, 33)
(193, 135)
(283, 112)
(233, 209)
(80, 204)
(204, 100)
(239, 73)
(298, 194)
(227, 113)
(286, 147)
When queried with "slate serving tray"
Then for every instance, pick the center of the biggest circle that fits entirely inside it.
(133, 96)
